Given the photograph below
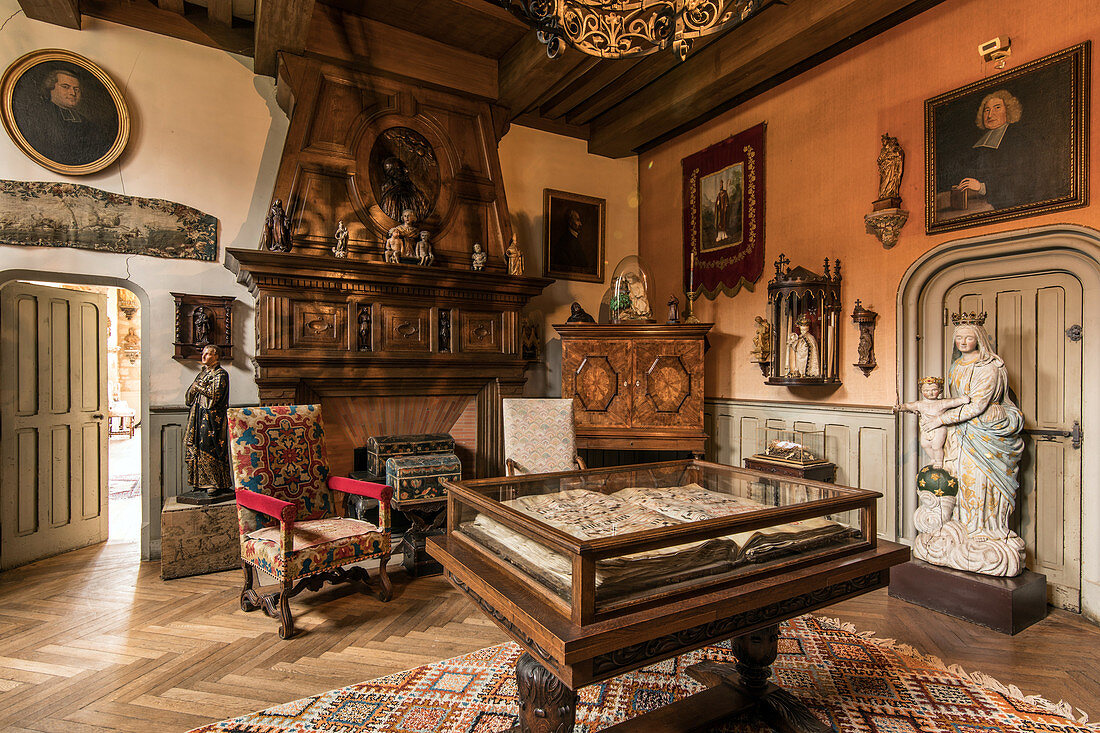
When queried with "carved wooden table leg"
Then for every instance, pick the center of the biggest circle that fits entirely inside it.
(778, 709)
(427, 521)
(546, 705)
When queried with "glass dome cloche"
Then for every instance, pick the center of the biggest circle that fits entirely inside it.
(630, 296)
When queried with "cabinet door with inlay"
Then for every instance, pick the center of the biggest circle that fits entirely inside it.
(596, 373)
(668, 383)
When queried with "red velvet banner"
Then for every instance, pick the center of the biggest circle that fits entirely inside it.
(724, 215)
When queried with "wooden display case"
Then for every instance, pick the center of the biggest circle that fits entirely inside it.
(545, 530)
(635, 386)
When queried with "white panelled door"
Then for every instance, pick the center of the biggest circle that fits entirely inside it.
(1031, 319)
(53, 415)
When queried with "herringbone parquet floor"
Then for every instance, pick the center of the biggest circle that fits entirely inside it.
(93, 641)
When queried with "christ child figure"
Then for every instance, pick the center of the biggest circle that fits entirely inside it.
(929, 406)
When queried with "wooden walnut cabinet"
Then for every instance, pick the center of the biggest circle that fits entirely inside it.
(635, 387)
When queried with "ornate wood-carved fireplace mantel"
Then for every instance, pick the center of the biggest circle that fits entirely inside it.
(333, 329)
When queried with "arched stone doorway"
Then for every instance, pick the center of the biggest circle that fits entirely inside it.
(1028, 260)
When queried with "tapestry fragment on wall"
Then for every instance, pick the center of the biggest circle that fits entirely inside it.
(42, 214)
(724, 215)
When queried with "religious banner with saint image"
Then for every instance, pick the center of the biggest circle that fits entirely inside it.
(724, 215)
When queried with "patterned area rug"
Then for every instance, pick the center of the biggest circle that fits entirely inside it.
(851, 680)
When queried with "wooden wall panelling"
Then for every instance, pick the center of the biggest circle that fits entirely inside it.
(324, 176)
(859, 440)
(280, 26)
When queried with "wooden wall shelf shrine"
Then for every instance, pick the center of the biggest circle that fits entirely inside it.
(804, 309)
(202, 320)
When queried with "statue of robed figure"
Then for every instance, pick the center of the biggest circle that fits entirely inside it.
(205, 437)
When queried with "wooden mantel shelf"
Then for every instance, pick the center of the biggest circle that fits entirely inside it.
(259, 268)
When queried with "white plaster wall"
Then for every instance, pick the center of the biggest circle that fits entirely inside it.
(533, 160)
(205, 132)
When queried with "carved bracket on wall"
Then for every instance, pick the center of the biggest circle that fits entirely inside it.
(865, 320)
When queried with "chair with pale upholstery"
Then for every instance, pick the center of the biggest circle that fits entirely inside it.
(539, 436)
(286, 508)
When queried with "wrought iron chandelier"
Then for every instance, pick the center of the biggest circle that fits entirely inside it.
(621, 28)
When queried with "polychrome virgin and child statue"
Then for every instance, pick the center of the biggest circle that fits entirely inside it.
(981, 459)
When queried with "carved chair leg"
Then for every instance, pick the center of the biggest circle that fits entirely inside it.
(545, 703)
(286, 621)
(250, 600)
(385, 592)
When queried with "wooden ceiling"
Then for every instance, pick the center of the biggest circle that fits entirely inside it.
(620, 106)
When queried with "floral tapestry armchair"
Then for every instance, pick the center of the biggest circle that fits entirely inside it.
(287, 512)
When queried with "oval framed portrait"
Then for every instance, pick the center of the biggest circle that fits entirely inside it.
(64, 112)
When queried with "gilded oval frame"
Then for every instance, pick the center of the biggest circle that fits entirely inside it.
(27, 63)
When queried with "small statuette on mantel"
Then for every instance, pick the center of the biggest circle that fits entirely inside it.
(424, 255)
(477, 259)
(276, 235)
(393, 247)
(340, 251)
(515, 258)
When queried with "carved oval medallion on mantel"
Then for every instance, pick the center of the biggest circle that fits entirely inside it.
(404, 173)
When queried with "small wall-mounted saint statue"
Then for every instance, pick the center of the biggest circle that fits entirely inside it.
(424, 254)
(477, 259)
(803, 356)
(341, 248)
(205, 438)
(202, 326)
(891, 164)
(515, 258)
(277, 228)
(762, 342)
(673, 309)
(577, 314)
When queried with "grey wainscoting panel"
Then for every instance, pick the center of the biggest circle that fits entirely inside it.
(168, 474)
(861, 441)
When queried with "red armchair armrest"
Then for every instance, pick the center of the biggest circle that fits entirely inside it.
(284, 511)
(382, 492)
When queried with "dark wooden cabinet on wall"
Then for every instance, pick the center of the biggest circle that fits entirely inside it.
(635, 387)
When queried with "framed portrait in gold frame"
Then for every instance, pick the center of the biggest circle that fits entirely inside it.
(1011, 145)
(64, 112)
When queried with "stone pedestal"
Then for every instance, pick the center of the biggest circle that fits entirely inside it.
(1007, 605)
(198, 539)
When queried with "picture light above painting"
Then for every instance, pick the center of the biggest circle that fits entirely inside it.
(64, 112)
(1011, 145)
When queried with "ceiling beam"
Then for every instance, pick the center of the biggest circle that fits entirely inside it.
(281, 25)
(194, 27)
(220, 11)
(594, 83)
(59, 12)
(526, 75)
(763, 52)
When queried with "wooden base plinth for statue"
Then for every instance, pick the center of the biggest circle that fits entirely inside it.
(1007, 605)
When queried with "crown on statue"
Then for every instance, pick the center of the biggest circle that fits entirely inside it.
(930, 380)
(968, 319)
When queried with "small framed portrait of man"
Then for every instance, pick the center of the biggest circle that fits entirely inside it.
(1010, 145)
(574, 236)
(64, 112)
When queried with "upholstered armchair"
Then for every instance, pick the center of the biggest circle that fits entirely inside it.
(539, 436)
(289, 523)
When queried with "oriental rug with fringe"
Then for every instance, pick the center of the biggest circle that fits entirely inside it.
(849, 679)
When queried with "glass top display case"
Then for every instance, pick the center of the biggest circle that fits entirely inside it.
(604, 542)
(791, 445)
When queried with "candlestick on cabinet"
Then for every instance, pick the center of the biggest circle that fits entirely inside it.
(690, 318)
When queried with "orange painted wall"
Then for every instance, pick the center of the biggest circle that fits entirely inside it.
(822, 141)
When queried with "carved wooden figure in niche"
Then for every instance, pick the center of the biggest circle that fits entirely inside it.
(865, 321)
(202, 326)
(277, 228)
(803, 357)
(477, 259)
(341, 248)
(515, 258)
